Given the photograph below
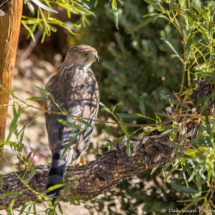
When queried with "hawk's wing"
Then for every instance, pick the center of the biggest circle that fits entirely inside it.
(75, 94)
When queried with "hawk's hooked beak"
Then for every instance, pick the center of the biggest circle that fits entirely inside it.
(97, 59)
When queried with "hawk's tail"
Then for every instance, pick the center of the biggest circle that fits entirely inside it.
(56, 172)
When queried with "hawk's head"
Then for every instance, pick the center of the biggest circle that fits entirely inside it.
(82, 55)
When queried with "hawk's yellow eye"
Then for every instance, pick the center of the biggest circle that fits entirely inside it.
(86, 53)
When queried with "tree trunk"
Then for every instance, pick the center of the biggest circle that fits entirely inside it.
(9, 35)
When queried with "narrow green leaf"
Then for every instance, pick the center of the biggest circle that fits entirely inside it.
(72, 125)
(179, 103)
(175, 145)
(37, 98)
(113, 142)
(34, 209)
(184, 189)
(115, 13)
(164, 133)
(2, 178)
(153, 170)
(154, 5)
(24, 206)
(123, 127)
(54, 187)
(170, 45)
(31, 7)
(83, 121)
(194, 172)
(29, 30)
(8, 194)
(45, 92)
(191, 16)
(142, 24)
(116, 106)
(142, 106)
(164, 97)
(32, 168)
(12, 202)
(60, 208)
(38, 3)
(188, 45)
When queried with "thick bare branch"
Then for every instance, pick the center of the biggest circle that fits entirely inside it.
(98, 176)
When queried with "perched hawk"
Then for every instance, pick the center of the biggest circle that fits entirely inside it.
(73, 88)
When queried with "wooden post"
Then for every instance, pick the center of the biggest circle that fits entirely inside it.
(9, 36)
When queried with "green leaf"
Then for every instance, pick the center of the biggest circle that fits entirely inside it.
(34, 209)
(45, 92)
(153, 170)
(83, 121)
(2, 178)
(164, 97)
(184, 189)
(123, 127)
(37, 98)
(12, 202)
(32, 168)
(115, 13)
(38, 3)
(29, 30)
(170, 45)
(54, 187)
(8, 194)
(179, 103)
(175, 145)
(116, 106)
(165, 133)
(196, 169)
(72, 125)
(154, 5)
(60, 208)
(24, 206)
(142, 24)
(188, 45)
(113, 142)
(31, 7)
(142, 106)
(128, 146)
(191, 16)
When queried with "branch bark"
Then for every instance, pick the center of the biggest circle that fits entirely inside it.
(107, 171)
(9, 35)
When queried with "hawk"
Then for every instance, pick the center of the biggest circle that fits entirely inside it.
(74, 88)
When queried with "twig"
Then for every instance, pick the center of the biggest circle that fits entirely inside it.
(184, 63)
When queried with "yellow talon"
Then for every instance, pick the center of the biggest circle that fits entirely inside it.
(82, 161)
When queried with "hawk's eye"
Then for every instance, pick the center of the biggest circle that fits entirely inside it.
(86, 53)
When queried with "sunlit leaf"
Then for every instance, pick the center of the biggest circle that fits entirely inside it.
(38, 3)
(113, 142)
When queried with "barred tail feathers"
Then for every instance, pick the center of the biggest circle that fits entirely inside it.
(56, 172)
